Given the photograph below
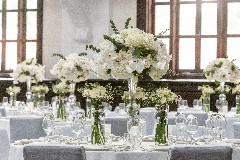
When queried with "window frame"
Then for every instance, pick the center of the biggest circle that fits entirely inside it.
(146, 8)
(21, 34)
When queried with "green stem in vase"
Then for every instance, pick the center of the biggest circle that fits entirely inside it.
(61, 109)
(41, 99)
(97, 136)
(13, 100)
(161, 134)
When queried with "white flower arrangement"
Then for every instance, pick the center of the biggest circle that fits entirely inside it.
(225, 90)
(61, 88)
(222, 70)
(206, 90)
(13, 89)
(28, 70)
(131, 53)
(163, 96)
(139, 95)
(42, 89)
(236, 89)
(73, 68)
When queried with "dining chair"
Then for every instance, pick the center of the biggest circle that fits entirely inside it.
(54, 153)
(200, 153)
(4, 144)
(236, 130)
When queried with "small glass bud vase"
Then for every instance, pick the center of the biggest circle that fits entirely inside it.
(206, 104)
(41, 98)
(161, 133)
(238, 104)
(29, 92)
(88, 108)
(13, 99)
(35, 100)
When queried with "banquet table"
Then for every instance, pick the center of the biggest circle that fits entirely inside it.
(161, 153)
(22, 127)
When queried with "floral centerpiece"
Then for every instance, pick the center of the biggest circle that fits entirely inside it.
(28, 71)
(222, 70)
(97, 94)
(39, 91)
(206, 92)
(61, 88)
(130, 54)
(236, 90)
(162, 97)
(73, 68)
(13, 91)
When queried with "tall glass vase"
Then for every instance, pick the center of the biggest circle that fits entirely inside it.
(222, 96)
(29, 92)
(88, 108)
(132, 106)
(97, 135)
(161, 133)
(41, 99)
(61, 113)
(72, 97)
(238, 104)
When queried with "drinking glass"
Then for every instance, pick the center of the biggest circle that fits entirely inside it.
(195, 102)
(5, 101)
(181, 124)
(192, 127)
(182, 105)
(78, 124)
(122, 108)
(48, 124)
(218, 105)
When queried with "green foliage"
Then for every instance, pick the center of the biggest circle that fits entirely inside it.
(58, 55)
(127, 23)
(113, 26)
(92, 48)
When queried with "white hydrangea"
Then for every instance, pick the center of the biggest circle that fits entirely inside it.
(74, 68)
(13, 89)
(222, 70)
(120, 62)
(28, 69)
(97, 92)
(236, 89)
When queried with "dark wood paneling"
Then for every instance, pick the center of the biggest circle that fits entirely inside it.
(187, 90)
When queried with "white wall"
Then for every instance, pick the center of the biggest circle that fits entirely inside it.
(69, 25)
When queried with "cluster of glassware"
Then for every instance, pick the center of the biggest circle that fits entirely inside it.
(187, 127)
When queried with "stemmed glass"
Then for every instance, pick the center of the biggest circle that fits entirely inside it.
(48, 124)
(218, 104)
(181, 124)
(192, 127)
(5, 101)
(182, 105)
(78, 124)
(122, 108)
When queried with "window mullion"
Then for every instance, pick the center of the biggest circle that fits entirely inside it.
(21, 31)
(198, 36)
(175, 7)
(4, 22)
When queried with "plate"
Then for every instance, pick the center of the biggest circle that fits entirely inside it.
(96, 148)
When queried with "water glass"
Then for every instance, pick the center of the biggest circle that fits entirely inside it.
(191, 127)
(180, 124)
(48, 124)
(5, 102)
(78, 124)
(182, 105)
(218, 105)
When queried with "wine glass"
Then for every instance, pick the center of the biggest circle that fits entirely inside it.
(182, 105)
(48, 124)
(192, 127)
(5, 101)
(122, 108)
(78, 123)
(218, 105)
(181, 124)
(195, 101)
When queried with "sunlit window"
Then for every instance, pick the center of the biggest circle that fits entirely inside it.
(199, 31)
(20, 32)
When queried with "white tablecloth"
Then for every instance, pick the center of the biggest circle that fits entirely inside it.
(23, 127)
(16, 153)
